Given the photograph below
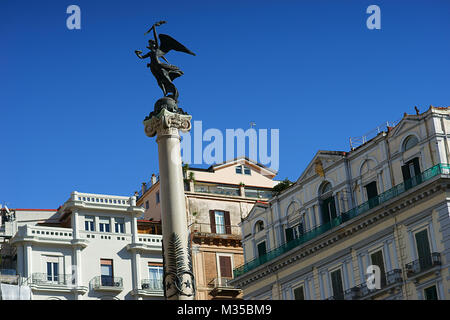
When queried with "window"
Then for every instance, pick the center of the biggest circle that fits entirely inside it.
(104, 225)
(259, 226)
(327, 203)
(89, 223)
(372, 194)
(106, 269)
(294, 232)
(377, 260)
(119, 225)
(52, 271)
(155, 272)
(430, 293)
(423, 249)
(299, 293)
(147, 205)
(157, 197)
(261, 248)
(239, 169)
(247, 171)
(410, 142)
(220, 222)
(336, 284)
(225, 268)
(411, 173)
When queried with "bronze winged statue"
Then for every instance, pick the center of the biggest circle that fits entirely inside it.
(164, 73)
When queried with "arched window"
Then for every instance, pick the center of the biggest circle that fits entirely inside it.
(259, 226)
(325, 188)
(410, 142)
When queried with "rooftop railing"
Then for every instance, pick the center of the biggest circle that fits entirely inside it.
(366, 206)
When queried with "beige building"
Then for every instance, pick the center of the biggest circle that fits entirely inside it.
(382, 204)
(217, 199)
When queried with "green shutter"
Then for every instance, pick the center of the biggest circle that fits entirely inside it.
(299, 294)
(423, 249)
(431, 293)
(336, 283)
(261, 249)
(289, 234)
(377, 259)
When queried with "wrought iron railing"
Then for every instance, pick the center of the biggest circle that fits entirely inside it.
(107, 282)
(366, 206)
(52, 279)
(423, 264)
(218, 229)
(152, 285)
(223, 282)
(360, 291)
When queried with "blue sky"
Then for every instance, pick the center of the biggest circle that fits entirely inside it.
(72, 101)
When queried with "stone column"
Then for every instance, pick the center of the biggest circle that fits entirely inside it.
(179, 283)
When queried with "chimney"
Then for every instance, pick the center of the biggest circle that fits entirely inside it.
(153, 179)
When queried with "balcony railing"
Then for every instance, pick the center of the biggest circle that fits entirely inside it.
(219, 229)
(220, 283)
(217, 189)
(46, 279)
(360, 291)
(152, 285)
(366, 206)
(107, 283)
(423, 264)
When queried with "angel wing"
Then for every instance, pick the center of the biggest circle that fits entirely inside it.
(168, 43)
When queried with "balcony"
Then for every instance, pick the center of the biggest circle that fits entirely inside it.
(9, 276)
(42, 279)
(423, 265)
(107, 283)
(217, 189)
(220, 235)
(153, 286)
(390, 280)
(221, 288)
(347, 216)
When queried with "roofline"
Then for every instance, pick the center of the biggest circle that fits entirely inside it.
(19, 209)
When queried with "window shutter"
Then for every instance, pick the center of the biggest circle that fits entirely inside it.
(212, 219)
(227, 222)
(415, 162)
(289, 234)
(225, 267)
(336, 283)
(405, 172)
(298, 294)
(423, 249)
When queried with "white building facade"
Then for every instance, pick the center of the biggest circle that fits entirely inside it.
(92, 251)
